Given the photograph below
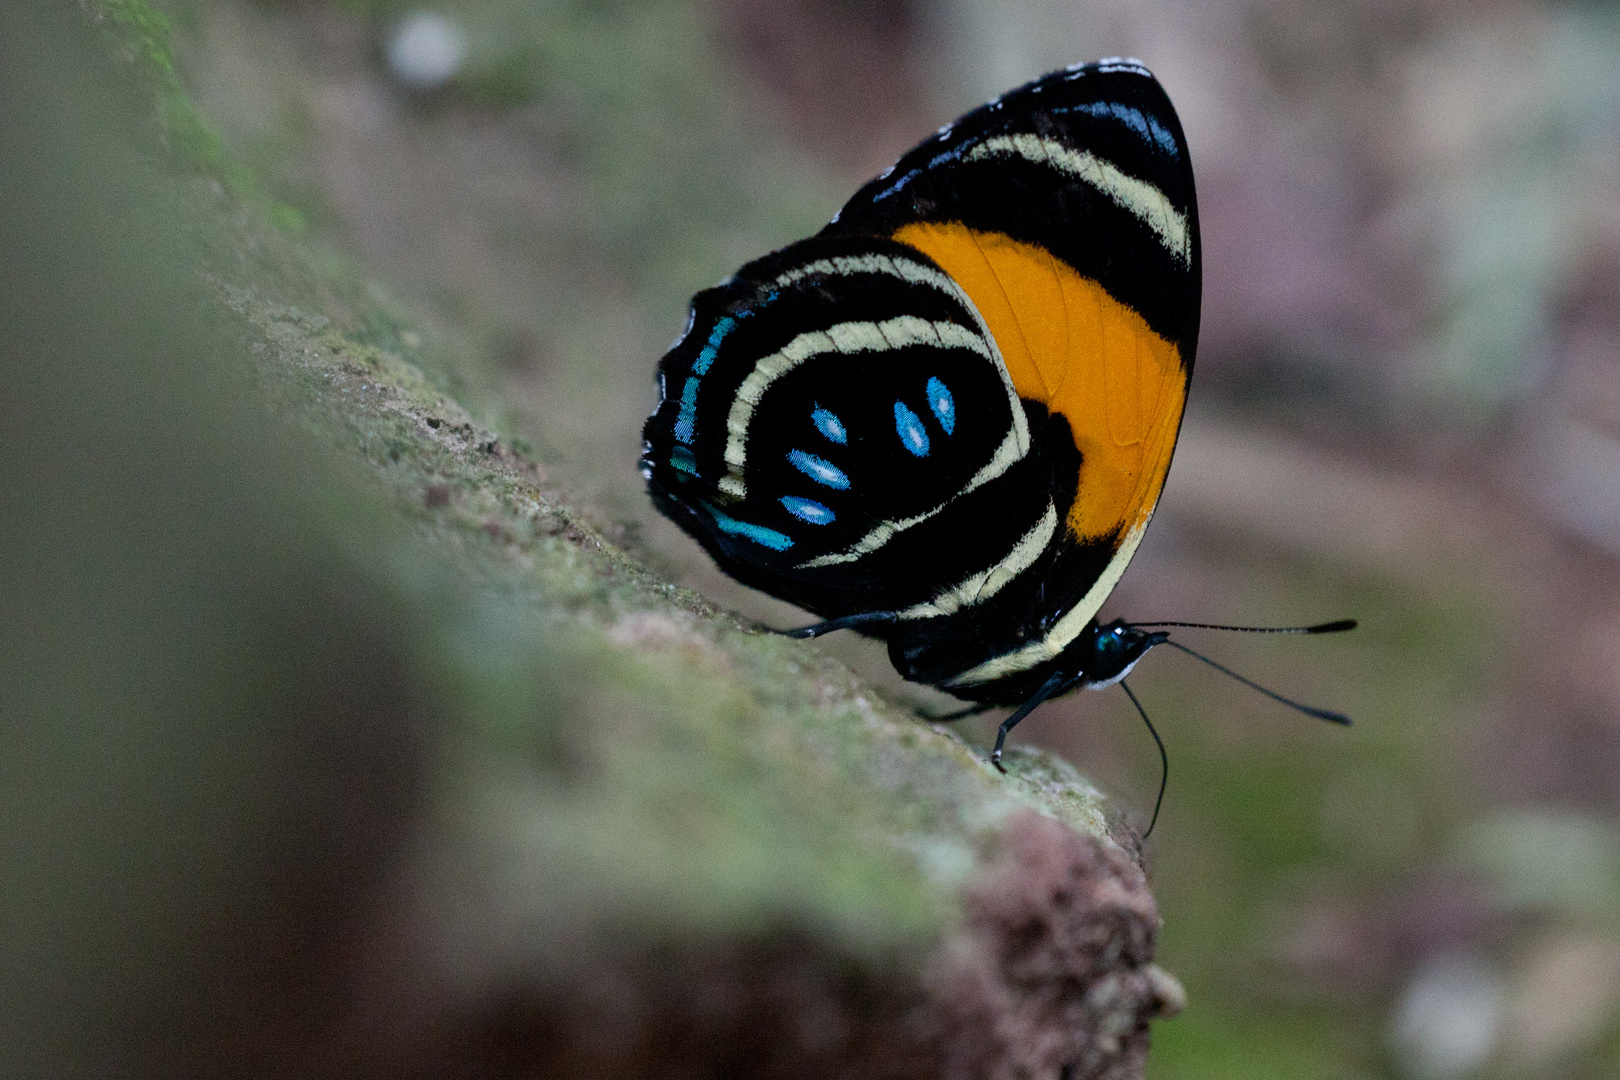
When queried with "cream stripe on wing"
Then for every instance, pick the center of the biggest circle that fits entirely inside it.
(845, 265)
(1066, 629)
(1139, 197)
(850, 337)
(914, 273)
(979, 587)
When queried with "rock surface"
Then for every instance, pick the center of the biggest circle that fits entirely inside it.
(437, 779)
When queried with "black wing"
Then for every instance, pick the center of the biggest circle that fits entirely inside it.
(990, 171)
(833, 411)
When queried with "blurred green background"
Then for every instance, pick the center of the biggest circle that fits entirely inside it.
(1406, 411)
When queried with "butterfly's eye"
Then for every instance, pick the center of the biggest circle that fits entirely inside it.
(1111, 641)
(944, 406)
(909, 426)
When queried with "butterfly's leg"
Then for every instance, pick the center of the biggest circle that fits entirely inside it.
(1048, 688)
(842, 623)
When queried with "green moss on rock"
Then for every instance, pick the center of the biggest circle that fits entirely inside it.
(505, 802)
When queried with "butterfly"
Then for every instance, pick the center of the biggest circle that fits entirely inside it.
(946, 419)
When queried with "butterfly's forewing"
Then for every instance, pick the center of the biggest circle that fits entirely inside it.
(1066, 211)
(957, 403)
(1089, 165)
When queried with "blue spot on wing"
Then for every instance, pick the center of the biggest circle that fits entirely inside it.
(681, 460)
(688, 416)
(944, 406)
(909, 426)
(757, 533)
(897, 185)
(808, 510)
(686, 422)
(819, 469)
(712, 347)
(1146, 127)
(829, 425)
(1162, 136)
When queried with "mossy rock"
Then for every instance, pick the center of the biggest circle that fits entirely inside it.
(438, 780)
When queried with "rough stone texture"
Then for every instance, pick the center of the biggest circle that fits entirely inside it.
(346, 746)
(1049, 976)
(1054, 975)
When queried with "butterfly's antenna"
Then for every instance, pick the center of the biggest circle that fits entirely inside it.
(1320, 628)
(1320, 714)
(1164, 758)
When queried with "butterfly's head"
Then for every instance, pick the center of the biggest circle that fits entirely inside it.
(1114, 649)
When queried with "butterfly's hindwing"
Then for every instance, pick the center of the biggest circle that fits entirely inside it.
(836, 427)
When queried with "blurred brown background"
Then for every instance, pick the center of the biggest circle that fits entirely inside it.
(1406, 410)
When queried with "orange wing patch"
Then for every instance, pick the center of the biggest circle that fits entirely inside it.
(1071, 346)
